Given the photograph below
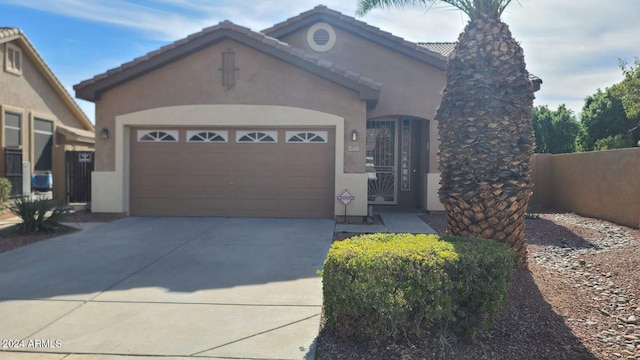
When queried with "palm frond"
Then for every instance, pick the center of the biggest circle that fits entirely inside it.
(475, 9)
(364, 6)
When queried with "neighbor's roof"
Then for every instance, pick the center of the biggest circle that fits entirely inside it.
(351, 24)
(368, 88)
(444, 48)
(75, 134)
(14, 34)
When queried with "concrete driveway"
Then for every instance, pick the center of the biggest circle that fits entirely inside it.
(201, 287)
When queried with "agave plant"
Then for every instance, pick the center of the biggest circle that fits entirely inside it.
(38, 214)
(485, 127)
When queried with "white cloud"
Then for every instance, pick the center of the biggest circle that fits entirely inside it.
(573, 45)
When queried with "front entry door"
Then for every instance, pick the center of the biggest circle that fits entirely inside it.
(381, 162)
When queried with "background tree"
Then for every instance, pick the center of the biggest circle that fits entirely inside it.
(484, 121)
(628, 90)
(556, 132)
(603, 115)
(614, 142)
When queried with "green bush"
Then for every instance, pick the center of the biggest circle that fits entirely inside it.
(38, 214)
(619, 141)
(389, 287)
(5, 191)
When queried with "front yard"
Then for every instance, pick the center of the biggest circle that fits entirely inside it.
(580, 299)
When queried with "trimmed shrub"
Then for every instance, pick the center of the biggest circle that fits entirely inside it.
(389, 287)
(38, 214)
(5, 191)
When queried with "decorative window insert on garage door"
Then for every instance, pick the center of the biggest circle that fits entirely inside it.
(205, 136)
(157, 135)
(306, 136)
(256, 136)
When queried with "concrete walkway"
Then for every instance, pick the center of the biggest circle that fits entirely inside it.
(392, 222)
(167, 287)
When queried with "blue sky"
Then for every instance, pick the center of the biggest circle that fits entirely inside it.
(573, 45)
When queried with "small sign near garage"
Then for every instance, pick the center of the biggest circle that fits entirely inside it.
(345, 197)
(85, 157)
(353, 148)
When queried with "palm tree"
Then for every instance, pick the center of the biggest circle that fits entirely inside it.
(485, 127)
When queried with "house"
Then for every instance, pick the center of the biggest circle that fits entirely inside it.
(232, 122)
(40, 124)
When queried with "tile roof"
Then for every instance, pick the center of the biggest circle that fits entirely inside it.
(444, 48)
(383, 37)
(7, 32)
(225, 29)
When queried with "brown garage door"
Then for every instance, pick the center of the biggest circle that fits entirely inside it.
(232, 172)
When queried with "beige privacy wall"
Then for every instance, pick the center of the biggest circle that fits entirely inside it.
(599, 184)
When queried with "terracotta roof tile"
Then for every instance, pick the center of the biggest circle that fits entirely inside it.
(6, 32)
(297, 52)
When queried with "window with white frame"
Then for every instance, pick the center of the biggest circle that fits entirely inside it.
(157, 135)
(205, 136)
(306, 137)
(254, 136)
(13, 59)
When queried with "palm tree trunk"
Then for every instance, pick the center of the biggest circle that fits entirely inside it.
(487, 136)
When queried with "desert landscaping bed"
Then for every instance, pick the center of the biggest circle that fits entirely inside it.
(10, 239)
(579, 299)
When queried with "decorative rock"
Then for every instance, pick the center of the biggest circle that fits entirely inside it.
(631, 320)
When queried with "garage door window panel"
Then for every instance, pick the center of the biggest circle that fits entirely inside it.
(201, 136)
(263, 137)
(157, 135)
(306, 137)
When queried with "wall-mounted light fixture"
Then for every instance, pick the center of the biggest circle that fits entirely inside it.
(354, 135)
(104, 134)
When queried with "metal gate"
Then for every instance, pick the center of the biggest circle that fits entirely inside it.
(381, 162)
(79, 168)
(13, 170)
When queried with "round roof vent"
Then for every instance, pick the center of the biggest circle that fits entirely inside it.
(321, 37)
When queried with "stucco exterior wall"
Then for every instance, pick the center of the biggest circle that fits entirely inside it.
(411, 88)
(32, 92)
(261, 80)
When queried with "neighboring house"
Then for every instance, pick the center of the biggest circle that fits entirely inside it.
(39, 121)
(230, 122)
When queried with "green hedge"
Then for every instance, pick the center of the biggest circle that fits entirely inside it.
(5, 191)
(399, 286)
